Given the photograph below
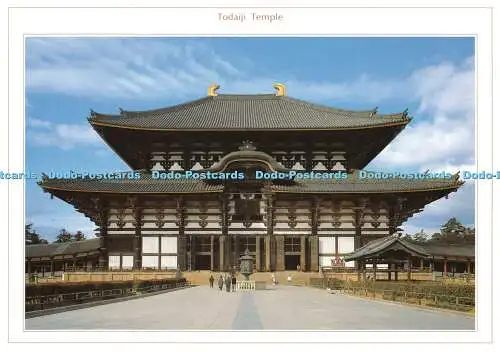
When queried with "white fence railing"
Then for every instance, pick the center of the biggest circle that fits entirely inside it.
(245, 285)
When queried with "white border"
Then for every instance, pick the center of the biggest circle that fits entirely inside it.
(339, 21)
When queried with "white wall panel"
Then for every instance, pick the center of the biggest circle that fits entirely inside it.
(350, 264)
(150, 261)
(127, 262)
(346, 244)
(325, 260)
(326, 245)
(114, 262)
(150, 244)
(169, 262)
(169, 244)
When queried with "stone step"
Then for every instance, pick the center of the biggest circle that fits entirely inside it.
(297, 278)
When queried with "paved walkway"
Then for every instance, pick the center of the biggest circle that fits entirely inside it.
(282, 308)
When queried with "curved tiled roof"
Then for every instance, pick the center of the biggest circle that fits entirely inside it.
(426, 249)
(146, 184)
(247, 112)
(65, 248)
(381, 245)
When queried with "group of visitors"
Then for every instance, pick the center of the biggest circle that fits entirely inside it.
(227, 281)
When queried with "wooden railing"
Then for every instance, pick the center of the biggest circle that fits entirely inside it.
(424, 299)
(65, 299)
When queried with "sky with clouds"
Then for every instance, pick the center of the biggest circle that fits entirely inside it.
(66, 77)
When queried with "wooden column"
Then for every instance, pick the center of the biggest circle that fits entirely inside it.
(182, 255)
(257, 253)
(269, 239)
(52, 267)
(29, 267)
(363, 268)
(313, 240)
(314, 245)
(358, 223)
(421, 265)
(74, 263)
(267, 243)
(409, 268)
(222, 240)
(468, 266)
(137, 242)
(103, 235)
(303, 253)
(374, 271)
(280, 253)
(236, 257)
(212, 253)
(445, 269)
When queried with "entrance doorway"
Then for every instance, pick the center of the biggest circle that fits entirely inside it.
(203, 262)
(291, 261)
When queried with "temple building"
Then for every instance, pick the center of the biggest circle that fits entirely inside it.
(155, 219)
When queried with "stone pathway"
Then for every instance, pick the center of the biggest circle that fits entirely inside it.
(285, 307)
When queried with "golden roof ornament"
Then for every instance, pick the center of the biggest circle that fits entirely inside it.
(212, 90)
(280, 89)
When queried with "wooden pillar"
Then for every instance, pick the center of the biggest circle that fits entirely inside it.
(374, 271)
(182, 240)
(409, 269)
(222, 240)
(363, 268)
(269, 239)
(236, 258)
(29, 267)
(445, 268)
(314, 253)
(313, 239)
(194, 241)
(395, 272)
(257, 253)
(74, 264)
(267, 244)
(212, 253)
(421, 265)
(103, 237)
(303, 253)
(280, 253)
(52, 267)
(389, 272)
(137, 241)
(468, 266)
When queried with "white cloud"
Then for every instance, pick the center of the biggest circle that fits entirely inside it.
(64, 136)
(445, 139)
(36, 123)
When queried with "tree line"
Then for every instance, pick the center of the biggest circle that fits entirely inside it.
(32, 237)
(452, 232)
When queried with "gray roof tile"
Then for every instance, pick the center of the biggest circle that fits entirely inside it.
(243, 112)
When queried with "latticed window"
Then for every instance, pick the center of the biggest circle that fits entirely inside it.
(292, 244)
(247, 242)
(203, 244)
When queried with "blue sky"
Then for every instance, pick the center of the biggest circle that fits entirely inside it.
(65, 77)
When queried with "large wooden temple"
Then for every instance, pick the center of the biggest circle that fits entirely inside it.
(192, 223)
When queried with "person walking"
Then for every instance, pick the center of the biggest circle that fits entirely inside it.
(211, 280)
(220, 282)
(228, 284)
(233, 283)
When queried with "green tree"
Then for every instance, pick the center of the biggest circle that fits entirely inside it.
(63, 236)
(79, 236)
(421, 237)
(32, 237)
